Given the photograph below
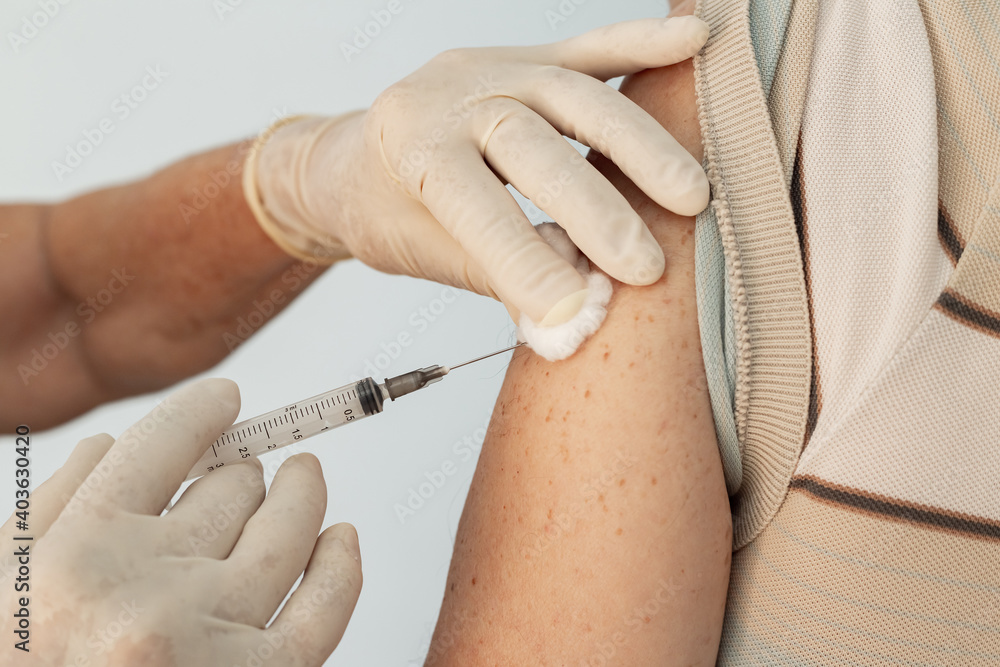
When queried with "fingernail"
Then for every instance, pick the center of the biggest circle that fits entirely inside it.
(565, 309)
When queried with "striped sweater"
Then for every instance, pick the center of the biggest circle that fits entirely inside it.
(849, 296)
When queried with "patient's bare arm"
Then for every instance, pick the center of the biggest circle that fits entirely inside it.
(597, 530)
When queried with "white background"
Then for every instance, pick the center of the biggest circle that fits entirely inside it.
(227, 73)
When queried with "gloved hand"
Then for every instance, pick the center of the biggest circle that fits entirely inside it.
(114, 583)
(415, 185)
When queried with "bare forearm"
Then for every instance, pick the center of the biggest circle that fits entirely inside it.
(135, 287)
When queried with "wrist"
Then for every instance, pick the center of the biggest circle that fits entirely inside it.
(282, 171)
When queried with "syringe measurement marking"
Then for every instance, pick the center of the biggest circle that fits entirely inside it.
(287, 419)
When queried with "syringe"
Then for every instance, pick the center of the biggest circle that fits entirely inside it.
(296, 422)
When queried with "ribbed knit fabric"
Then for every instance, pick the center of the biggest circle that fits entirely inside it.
(767, 22)
(758, 235)
(857, 201)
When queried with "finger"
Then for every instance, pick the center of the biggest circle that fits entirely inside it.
(562, 183)
(276, 543)
(318, 611)
(433, 254)
(430, 252)
(630, 46)
(49, 499)
(152, 458)
(513, 313)
(211, 514)
(559, 240)
(485, 219)
(599, 116)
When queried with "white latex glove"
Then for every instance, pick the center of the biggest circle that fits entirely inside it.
(114, 583)
(415, 185)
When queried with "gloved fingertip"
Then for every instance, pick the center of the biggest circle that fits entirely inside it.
(694, 198)
(347, 535)
(223, 390)
(97, 440)
(649, 268)
(93, 447)
(565, 309)
(307, 459)
(693, 29)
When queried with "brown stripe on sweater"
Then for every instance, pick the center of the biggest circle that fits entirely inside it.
(798, 198)
(966, 312)
(897, 510)
(948, 234)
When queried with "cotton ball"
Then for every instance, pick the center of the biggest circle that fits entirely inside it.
(561, 341)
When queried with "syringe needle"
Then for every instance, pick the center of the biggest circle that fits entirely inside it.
(407, 383)
(485, 356)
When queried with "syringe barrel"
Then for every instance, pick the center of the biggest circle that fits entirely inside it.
(291, 424)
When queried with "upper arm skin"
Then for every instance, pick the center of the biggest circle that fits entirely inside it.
(598, 525)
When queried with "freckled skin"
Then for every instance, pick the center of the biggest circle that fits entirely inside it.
(602, 526)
